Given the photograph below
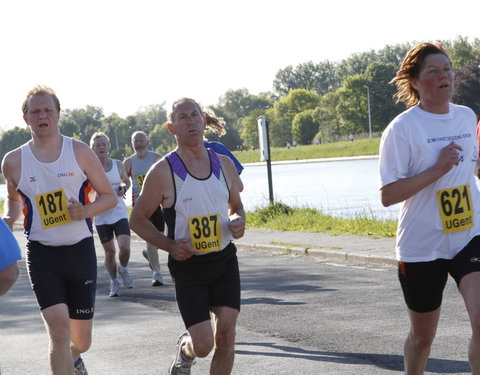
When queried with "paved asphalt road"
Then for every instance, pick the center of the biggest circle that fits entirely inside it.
(300, 315)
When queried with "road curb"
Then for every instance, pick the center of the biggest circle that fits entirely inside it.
(340, 255)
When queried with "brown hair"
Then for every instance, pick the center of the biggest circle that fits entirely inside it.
(411, 66)
(214, 123)
(40, 90)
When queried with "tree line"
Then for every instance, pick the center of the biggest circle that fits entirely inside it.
(311, 102)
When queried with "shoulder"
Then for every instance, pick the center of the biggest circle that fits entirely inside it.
(12, 159)
(155, 155)
(80, 147)
(465, 111)
(227, 164)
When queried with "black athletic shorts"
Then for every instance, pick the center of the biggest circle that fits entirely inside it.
(423, 282)
(64, 274)
(105, 231)
(158, 220)
(204, 281)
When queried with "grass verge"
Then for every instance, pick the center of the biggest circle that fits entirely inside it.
(282, 217)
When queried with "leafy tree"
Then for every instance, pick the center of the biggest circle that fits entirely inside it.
(467, 86)
(82, 122)
(148, 117)
(161, 140)
(13, 138)
(285, 109)
(119, 132)
(250, 127)
(382, 106)
(461, 52)
(319, 78)
(233, 106)
(326, 115)
(304, 127)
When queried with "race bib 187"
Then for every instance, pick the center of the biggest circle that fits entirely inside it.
(205, 233)
(456, 211)
(52, 208)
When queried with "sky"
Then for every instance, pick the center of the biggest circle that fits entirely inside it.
(126, 55)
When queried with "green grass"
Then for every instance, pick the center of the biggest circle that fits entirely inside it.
(358, 147)
(282, 217)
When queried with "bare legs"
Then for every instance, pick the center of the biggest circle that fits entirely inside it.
(203, 339)
(68, 338)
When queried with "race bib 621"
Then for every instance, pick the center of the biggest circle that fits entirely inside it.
(456, 211)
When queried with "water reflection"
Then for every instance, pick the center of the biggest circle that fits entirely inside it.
(344, 188)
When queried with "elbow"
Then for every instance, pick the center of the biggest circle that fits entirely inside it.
(386, 202)
(386, 199)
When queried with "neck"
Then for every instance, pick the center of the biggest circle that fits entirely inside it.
(192, 152)
(46, 143)
(105, 162)
(440, 109)
(141, 154)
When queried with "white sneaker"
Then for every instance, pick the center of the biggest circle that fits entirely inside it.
(114, 288)
(157, 279)
(180, 364)
(127, 279)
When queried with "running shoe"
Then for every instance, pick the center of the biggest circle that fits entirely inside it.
(127, 279)
(79, 367)
(157, 279)
(181, 365)
(145, 255)
(114, 288)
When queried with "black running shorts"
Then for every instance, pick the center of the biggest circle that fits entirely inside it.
(423, 282)
(64, 274)
(105, 231)
(205, 281)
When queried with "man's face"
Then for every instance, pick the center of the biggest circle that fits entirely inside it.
(139, 142)
(42, 115)
(101, 147)
(188, 122)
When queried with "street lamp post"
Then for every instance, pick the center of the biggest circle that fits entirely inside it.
(369, 115)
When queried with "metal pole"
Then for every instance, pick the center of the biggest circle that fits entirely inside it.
(369, 115)
(269, 167)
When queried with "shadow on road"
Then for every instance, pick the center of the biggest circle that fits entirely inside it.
(386, 361)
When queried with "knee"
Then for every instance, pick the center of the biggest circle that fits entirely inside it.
(421, 341)
(60, 334)
(82, 345)
(8, 276)
(202, 347)
(475, 322)
(110, 253)
(225, 339)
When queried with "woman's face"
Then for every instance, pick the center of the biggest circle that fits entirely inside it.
(434, 83)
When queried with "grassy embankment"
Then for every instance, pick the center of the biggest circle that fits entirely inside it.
(281, 217)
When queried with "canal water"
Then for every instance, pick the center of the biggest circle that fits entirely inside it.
(340, 187)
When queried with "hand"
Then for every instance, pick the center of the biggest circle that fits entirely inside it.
(75, 209)
(182, 250)
(237, 225)
(121, 191)
(448, 157)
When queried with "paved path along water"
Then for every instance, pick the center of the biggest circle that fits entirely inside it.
(300, 315)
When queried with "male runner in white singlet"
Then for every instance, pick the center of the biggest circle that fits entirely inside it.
(199, 192)
(51, 176)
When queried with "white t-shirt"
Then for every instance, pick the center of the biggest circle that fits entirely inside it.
(440, 220)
